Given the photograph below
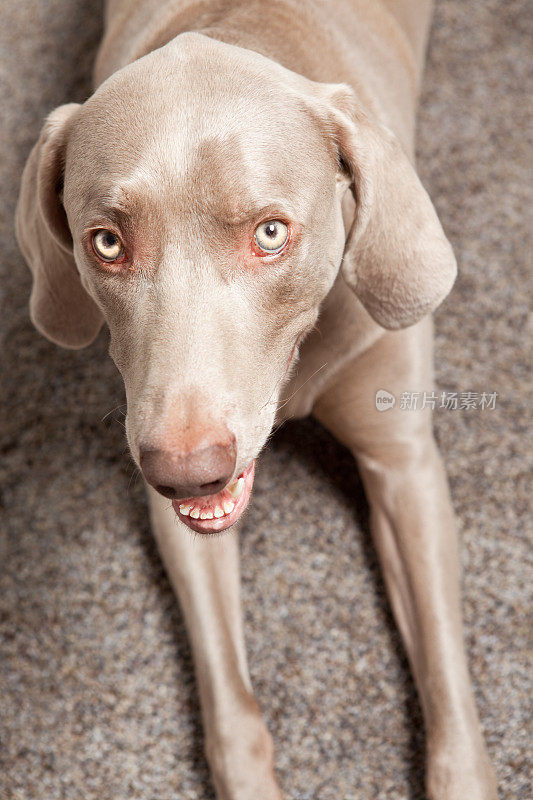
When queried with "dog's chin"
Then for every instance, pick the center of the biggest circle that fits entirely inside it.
(216, 512)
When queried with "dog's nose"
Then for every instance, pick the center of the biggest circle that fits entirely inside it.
(176, 476)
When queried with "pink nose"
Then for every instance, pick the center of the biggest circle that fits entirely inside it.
(177, 476)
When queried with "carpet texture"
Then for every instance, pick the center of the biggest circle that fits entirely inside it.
(97, 691)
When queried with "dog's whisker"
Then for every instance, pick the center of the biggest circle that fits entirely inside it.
(302, 385)
(135, 474)
(120, 406)
(278, 382)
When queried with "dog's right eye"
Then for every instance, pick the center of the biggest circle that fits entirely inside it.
(107, 245)
(271, 237)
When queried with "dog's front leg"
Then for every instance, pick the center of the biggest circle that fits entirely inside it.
(414, 530)
(204, 572)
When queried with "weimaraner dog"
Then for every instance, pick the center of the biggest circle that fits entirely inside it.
(237, 201)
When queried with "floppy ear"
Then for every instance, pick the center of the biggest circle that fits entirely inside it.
(60, 308)
(397, 258)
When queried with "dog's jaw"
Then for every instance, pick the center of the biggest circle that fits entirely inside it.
(215, 513)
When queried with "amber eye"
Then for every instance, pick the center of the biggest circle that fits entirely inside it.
(271, 236)
(107, 245)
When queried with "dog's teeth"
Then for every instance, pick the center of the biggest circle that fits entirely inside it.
(209, 515)
(236, 488)
(195, 513)
(228, 507)
(184, 509)
(218, 512)
(203, 515)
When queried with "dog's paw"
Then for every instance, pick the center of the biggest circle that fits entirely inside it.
(461, 774)
(259, 782)
(242, 765)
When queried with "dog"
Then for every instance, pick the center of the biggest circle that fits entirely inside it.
(237, 201)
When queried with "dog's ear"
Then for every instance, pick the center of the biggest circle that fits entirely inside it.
(397, 259)
(60, 308)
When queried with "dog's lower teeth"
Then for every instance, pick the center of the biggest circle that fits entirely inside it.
(235, 490)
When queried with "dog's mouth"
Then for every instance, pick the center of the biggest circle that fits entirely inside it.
(216, 512)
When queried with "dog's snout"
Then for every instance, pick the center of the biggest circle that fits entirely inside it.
(202, 472)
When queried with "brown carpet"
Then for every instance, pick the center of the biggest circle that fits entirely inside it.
(97, 694)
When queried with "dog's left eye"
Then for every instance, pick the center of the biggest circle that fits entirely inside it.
(271, 236)
(107, 245)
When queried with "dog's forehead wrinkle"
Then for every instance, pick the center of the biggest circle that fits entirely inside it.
(226, 158)
(255, 107)
(236, 180)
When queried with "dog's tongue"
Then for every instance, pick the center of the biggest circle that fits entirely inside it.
(216, 512)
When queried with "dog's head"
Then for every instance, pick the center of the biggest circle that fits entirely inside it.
(194, 204)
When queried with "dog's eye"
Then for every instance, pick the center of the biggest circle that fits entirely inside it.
(107, 245)
(271, 236)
